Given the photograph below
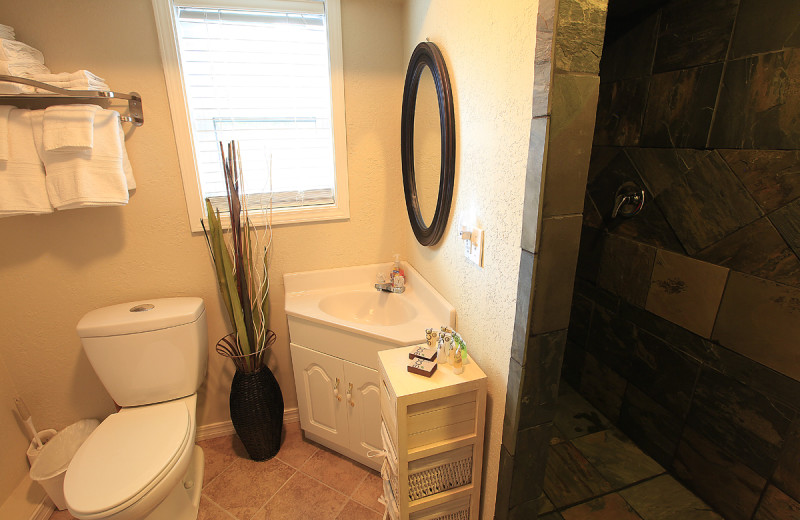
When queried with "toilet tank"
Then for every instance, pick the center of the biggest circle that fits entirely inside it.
(148, 351)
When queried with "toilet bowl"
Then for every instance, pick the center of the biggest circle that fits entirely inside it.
(141, 463)
(133, 461)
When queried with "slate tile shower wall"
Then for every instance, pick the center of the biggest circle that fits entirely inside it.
(685, 322)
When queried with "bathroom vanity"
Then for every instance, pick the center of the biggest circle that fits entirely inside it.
(338, 322)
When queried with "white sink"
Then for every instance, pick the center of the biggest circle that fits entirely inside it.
(370, 307)
(345, 300)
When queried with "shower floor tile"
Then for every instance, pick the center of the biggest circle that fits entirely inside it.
(602, 475)
(304, 480)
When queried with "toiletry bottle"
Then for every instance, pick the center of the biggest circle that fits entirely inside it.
(396, 269)
(458, 365)
(441, 353)
(451, 348)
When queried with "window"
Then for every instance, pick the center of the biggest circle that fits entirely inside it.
(267, 73)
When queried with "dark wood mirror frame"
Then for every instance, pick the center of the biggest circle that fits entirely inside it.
(427, 54)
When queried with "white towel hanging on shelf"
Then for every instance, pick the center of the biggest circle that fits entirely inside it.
(86, 178)
(22, 179)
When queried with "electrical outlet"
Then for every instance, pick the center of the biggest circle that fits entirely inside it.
(474, 247)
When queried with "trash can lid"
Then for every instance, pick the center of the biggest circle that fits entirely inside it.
(58, 452)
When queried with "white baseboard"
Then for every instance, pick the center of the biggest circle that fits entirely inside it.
(44, 510)
(220, 429)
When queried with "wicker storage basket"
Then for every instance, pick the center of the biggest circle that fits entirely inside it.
(430, 475)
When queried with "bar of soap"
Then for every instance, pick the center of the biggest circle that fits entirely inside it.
(423, 352)
(421, 367)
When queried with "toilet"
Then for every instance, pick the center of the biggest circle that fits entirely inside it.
(142, 462)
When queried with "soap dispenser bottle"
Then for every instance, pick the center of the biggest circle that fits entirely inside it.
(397, 277)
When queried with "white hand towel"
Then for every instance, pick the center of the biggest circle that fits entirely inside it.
(12, 50)
(7, 32)
(22, 181)
(86, 178)
(4, 111)
(68, 127)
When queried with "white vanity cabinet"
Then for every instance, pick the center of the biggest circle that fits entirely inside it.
(339, 403)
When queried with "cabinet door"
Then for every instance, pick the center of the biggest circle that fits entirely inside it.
(320, 394)
(363, 408)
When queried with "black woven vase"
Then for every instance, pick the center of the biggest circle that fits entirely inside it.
(257, 412)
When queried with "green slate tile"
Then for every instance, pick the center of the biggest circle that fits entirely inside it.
(700, 197)
(758, 105)
(680, 107)
(551, 516)
(693, 33)
(617, 458)
(570, 478)
(787, 473)
(718, 478)
(663, 498)
(771, 176)
(608, 507)
(780, 16)
(625, 269)
(686, 291)
(575, 417)
(620, 112)
(602, 386)
(760, 319)
(787, 221)
(776, 505)
(740, 420)
(756, 249)
(579, 35)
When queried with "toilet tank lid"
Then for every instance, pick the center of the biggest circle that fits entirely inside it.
(140, 316)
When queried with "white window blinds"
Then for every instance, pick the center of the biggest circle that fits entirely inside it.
(262, 78)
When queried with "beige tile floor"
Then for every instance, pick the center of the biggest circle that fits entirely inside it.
(303, 481)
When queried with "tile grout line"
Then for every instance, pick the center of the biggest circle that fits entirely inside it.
(220, 507)
(275, 493)
(623, 488)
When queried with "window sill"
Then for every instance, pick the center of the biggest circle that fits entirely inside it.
(287, 216)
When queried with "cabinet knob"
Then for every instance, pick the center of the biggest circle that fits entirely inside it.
(350, 394)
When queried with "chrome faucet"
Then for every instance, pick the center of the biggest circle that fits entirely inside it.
(383, 285)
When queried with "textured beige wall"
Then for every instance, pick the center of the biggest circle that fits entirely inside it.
(489, 51)
(55, 268)
(14, 443)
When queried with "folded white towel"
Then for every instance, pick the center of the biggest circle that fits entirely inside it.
(78, 80)
(4, 111)
(68, 127)
(22, 69)
(22, 180)
(12, 50)
(86, 178)
(7, 32)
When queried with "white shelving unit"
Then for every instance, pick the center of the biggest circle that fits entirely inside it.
(432, 430)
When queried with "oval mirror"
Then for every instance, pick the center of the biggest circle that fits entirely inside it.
(428, 143)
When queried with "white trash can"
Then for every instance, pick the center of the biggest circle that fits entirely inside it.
(50, 466)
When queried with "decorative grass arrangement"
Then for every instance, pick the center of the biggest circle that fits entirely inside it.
(241, 258)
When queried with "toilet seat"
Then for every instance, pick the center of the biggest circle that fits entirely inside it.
(125, 457)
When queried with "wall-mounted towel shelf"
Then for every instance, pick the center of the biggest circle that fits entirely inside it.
(61, 96)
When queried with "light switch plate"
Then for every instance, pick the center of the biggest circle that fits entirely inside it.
(474, 247)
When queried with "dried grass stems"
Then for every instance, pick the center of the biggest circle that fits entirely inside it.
(241, 258)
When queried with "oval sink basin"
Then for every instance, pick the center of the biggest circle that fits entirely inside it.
(373, 307)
